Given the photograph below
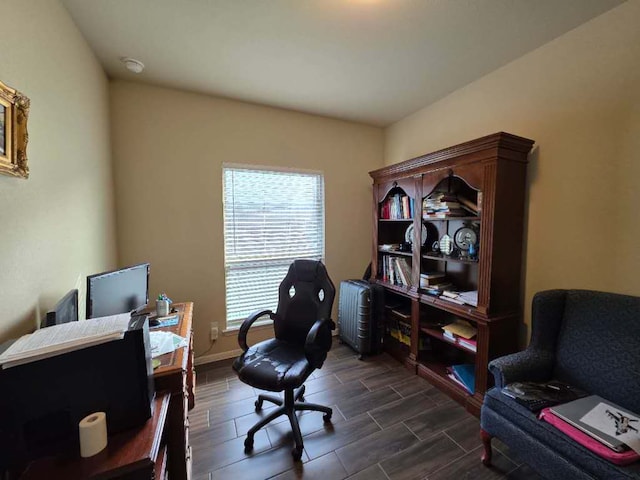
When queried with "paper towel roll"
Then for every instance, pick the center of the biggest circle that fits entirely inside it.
(93, 434)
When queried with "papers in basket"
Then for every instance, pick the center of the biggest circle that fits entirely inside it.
(164, 342)
(616, 423)
(63, 338)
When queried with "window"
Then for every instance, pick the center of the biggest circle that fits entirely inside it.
(271, 218)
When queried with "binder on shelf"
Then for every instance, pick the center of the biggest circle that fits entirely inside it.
(466, 375)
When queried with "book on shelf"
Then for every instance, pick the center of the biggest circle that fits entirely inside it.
(469, 343)
(448, 335)
(468, 205)
(405, 269)
(461, 298)
(432, 275)
(442, 205)
(437, 289)
(402, 313)
(437, 216)
(396, 271)
(465, 375)
(400, 272)
(397, 207)
(431, 279)
(469, 297)
(455, 379)
(452, 300)
(461, 328)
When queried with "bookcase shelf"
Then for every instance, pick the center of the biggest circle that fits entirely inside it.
(451, 219)
(487, 176)
(396, 252)
(432, 332)
(449, 259)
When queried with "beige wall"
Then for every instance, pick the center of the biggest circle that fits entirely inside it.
(58, 225)
(168, 149)
(577, 97)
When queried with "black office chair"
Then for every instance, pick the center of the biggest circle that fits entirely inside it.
(302, 327)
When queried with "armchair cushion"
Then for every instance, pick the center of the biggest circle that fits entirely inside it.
(507, 417)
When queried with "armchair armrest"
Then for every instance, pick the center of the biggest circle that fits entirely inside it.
(531, 364)
(313, 350)
(244, 328)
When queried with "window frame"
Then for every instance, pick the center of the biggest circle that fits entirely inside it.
(232, 325)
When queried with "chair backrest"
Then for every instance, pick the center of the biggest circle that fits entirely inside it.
(598, 345)
(305, 295)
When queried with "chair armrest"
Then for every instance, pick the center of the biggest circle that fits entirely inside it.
(311, 336)
(529, 365)
(244, 328)
(311, 345)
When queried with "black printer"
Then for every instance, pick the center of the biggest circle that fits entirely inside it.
(41, 403)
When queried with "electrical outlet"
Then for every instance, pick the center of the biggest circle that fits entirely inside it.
(214, 331)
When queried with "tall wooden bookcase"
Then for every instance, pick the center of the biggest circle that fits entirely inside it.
(489, 172)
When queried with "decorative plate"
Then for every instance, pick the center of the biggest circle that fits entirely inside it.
(446, 244)
(465, 237)
(408, 234)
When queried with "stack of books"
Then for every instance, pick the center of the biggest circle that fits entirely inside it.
(443, 205)
(462, 333)
(397, 207)
(434, 282)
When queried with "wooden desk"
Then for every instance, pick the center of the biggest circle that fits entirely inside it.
(176, 376)
(137, 454)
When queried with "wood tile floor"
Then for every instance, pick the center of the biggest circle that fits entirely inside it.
(386, 424)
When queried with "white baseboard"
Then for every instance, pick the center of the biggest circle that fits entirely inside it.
(216, 357)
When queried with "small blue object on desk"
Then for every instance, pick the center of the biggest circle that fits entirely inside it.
(168, 321)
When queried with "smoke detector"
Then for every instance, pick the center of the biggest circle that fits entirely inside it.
(133, 65)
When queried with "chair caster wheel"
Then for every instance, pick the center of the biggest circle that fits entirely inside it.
(326, 417)
(258, 405)
(297, 453)
(248, 444)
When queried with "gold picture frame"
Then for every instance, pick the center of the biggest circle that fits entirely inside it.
(14, 112)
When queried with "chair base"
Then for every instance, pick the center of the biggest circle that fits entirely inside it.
(289, 407)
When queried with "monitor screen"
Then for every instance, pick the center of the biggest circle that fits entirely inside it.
(119, 291)
(66, 310)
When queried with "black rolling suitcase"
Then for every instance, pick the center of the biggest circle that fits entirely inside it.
(360, 310)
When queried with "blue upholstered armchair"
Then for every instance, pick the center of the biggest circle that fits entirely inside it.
(588, 339)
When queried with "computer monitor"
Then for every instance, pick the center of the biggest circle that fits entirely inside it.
(66, 310)
(118, 291)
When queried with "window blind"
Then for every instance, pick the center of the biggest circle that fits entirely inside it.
(271, 218)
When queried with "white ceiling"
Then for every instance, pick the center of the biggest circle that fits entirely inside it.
(372, 61)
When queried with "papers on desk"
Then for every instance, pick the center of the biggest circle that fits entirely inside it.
(67, 337)
(164, 342)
